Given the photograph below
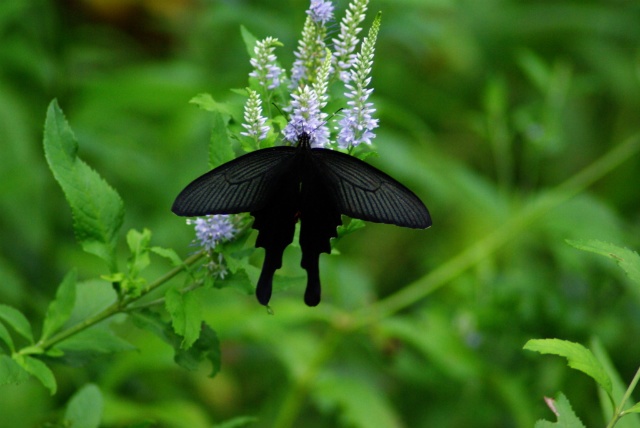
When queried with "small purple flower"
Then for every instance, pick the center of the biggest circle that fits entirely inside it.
(320, 11)
(264, 63)
(213, 229)
(308, 118)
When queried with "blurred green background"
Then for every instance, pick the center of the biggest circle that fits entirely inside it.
(485, 107)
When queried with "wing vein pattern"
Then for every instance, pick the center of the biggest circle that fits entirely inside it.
(364, 192)
(241, 185)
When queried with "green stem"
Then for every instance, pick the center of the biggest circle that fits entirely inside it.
(294, 399)
(426, 285)
(120, 306)
(618, 411)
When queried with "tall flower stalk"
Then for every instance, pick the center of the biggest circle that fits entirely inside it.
(317, 74)
(357, 123)
(347, 39)
(311, 51)
(265, 67)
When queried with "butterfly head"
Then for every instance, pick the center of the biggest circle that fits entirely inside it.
(304, 140)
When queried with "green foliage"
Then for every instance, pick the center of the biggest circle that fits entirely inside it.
(516, 122)
(84, 409)
(566, 417)
(579, 357)
(96, 207)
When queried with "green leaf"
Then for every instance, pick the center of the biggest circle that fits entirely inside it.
(85, 408)
(206, 102)
(249, 40)
(563, 411)
(627, 259)
(15, 319)
(207, 346)
(353, 225)
(219, 144)
(96, 340)
(96, 207)
(139, 246)
(40, 370)
(579, 358)
(634, 409)
(168, 253)
(11, 372)
(360, 405)
(237, 422)
(238, 280)
(6, 337)
(186, 315)
(60, 309)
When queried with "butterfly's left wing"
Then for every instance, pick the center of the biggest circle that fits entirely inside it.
(241, 185)
(364, 192)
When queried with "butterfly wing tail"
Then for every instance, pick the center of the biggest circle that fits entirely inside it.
(312, 292)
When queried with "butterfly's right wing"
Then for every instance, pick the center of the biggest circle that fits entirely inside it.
(241, 185)
(364, 192)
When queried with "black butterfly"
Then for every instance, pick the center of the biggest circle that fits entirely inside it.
(280, 185)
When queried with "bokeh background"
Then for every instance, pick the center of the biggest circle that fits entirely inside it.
(486, 107)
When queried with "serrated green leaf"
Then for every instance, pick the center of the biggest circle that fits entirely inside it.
(249, 40)
(96, 207)
(11, 372)
(238, 280)
(206, 102)
(96, 340)
(6, 337)
(186, 315)
(627, 259)
(207, 346)
(220, 150)
(60, 309)
(138, 243)
(41, 371)
(353, 225)
(15, 319)
(168, 253)
(85, 408)
(579, 358)
(565, 414)
(237, 422)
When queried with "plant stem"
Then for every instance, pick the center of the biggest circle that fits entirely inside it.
(469, 257)
(120, 306)
(295, 396)
(619, 412)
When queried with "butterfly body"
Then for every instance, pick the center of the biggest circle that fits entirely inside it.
(280, 185)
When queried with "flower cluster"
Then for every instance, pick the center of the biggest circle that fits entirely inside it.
(254, 121)
(314, 72)
(264, 63)
(320, 11)
(213, 229)
(347, 40)
(357, 124)
(308, 118)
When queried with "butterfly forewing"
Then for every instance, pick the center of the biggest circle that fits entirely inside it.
(240, 185)
(364, 192)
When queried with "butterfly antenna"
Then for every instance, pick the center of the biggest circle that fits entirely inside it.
(282, 112)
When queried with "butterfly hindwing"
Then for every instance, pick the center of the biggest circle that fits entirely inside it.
(241, 185)
(364, 192)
